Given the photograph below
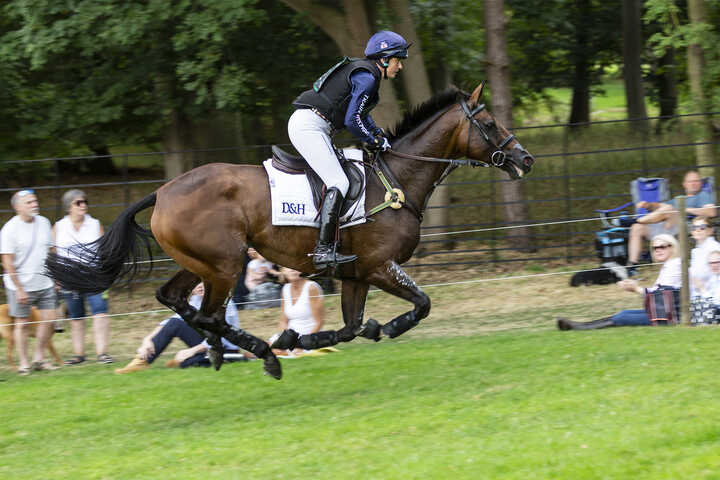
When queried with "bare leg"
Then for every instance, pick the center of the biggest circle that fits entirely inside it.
(638, 233)
(101, 332)
(21, 340)
(77, 334)
(45, 330)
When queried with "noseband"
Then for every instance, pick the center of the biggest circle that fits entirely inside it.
(498, 155)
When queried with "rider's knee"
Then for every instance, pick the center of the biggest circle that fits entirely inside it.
(341, 184)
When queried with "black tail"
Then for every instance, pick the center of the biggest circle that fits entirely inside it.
(98, 265)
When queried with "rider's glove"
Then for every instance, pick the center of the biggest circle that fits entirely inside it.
(378, 143)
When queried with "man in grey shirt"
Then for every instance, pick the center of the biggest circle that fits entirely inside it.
(664, 215)
(24, 244)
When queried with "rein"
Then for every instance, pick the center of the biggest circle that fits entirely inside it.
(394, 196)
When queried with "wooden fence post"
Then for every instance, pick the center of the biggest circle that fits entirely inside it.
(685, 259)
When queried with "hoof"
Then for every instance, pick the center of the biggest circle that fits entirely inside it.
(287, 340)
(370, 330)
(564, 324)
(272, 366)
(216, 357)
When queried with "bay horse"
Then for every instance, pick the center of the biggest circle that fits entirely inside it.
(206, 218)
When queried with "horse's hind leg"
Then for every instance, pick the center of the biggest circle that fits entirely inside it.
(174, 294)
(393, 279)
(354, 294)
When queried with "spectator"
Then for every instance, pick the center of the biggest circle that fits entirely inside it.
(260, 279)
(710, 288)
(664, 250)
(702, 232)
(175, 327)
(301, 308)
(698, 203)
(24, 244)
(71, 233)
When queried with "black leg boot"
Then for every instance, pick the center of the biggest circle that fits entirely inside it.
(565, 324)
(325, 254)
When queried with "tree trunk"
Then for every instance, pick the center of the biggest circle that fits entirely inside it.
(632, 72)
(417, 87)
(175, 144)
(667, 87)
(350, 30)
(697, 11)
(580, 109)
(499, 79)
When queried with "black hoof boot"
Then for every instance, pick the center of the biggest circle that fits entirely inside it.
(215, 354)
(370, 330)
(272, 366)
(287, 340)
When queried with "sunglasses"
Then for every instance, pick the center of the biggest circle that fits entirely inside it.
(700, 227)
(660, 247)
(77, 203)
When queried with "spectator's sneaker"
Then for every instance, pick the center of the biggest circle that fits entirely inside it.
(135, 365)
(24, 371)
(75, 360)
(105, 358)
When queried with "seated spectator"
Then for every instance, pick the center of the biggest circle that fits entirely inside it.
(664, 217)
(702, 232)
(664, 249)
(175, 327)
(302, 308)
(260, 280)
(709, 288)
(72, 232)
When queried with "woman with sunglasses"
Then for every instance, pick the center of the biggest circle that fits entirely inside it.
(71, 234)
(702, 232)
(664, 249)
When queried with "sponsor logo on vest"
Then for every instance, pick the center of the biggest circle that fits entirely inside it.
(293, 208)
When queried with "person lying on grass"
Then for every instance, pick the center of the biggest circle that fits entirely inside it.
(664, 249)
(175, 327)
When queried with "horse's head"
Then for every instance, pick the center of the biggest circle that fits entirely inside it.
(487, 139)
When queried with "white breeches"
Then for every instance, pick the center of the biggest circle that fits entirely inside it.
(310, 135)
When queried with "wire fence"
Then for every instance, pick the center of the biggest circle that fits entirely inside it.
(560, 196)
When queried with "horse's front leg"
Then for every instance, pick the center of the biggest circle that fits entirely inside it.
(354, 294)
(393, 279)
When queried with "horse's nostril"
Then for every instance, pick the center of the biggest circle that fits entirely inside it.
(528, 161)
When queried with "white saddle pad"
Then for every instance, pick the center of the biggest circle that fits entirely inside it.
(292, 202)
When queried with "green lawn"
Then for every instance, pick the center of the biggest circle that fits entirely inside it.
(620, 403)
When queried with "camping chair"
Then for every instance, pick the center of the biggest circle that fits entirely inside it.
(611, 243)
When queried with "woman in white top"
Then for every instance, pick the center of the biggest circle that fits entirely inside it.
(302, 307)
(664, 249)
(702, 232)
(73, 231)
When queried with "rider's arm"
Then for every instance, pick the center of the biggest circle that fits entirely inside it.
(357, 121)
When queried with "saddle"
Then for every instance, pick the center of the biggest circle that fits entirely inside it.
(296, 165)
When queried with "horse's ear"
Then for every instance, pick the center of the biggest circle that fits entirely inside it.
(477, 93)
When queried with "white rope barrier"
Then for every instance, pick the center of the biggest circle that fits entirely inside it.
(430, 285)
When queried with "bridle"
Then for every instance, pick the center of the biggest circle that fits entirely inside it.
(497, 158)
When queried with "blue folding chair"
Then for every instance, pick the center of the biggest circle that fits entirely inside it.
(611, 243)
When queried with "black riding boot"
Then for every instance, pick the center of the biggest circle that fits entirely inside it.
(325, 254)
(565, 324)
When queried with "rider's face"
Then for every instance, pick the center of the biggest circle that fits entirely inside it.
(395, 65)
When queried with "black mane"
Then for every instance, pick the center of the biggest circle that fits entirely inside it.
(424, 111)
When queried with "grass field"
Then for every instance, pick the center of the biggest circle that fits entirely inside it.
(620, 403)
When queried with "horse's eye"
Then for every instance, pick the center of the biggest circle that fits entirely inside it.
(490, 125)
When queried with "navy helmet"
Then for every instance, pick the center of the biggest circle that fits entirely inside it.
(386, 44)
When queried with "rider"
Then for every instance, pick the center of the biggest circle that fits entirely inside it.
(342, 98)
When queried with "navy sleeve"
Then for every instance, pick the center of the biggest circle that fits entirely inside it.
(358, 122)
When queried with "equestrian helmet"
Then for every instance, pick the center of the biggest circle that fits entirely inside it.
(386, 44)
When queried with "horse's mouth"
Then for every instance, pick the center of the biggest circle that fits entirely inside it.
(520, 163)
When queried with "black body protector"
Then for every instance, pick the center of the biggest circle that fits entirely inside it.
(330, 97)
